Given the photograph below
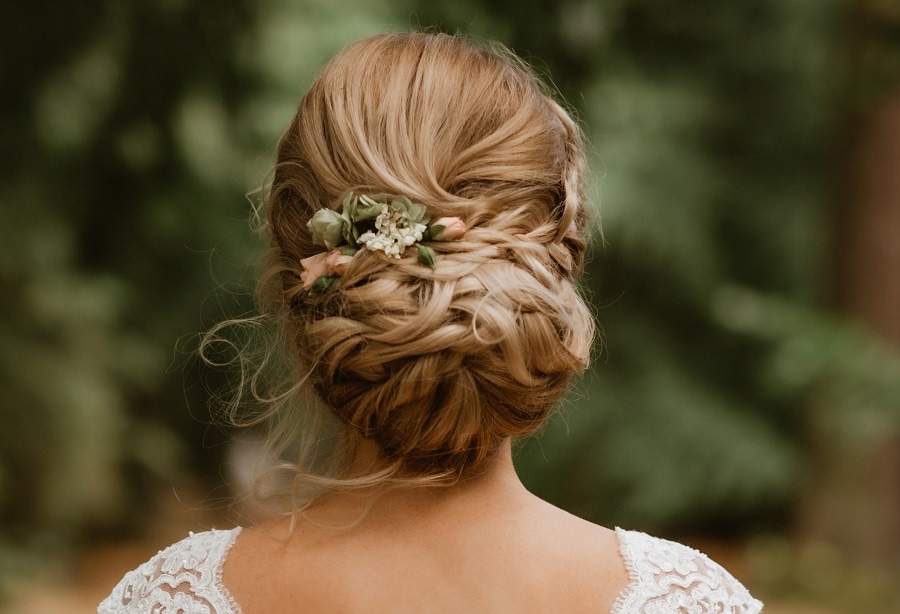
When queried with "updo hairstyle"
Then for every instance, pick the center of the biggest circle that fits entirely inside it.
(437, 367)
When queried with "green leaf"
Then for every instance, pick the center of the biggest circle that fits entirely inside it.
(426, 255)
(433, 232)
(322, 284)
(366, 209)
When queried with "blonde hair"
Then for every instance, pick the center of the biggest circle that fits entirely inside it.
(437, 367)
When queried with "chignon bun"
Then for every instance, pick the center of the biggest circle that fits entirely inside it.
(437, 367)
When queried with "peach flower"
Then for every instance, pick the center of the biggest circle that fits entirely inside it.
(454, 228)
(337, 262)
(314, 267)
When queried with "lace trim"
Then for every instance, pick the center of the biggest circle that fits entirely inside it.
(219, 585)
(184, 578)
(670, 578)
(664, 578)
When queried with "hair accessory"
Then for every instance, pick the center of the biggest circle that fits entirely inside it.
(384, 223)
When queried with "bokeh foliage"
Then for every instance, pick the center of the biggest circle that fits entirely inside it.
(132, 131)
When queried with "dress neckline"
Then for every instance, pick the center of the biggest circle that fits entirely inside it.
(621, 598)
(661, 573)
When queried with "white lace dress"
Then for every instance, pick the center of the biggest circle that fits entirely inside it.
(665, 578)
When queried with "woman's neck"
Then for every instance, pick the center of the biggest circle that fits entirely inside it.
(496, 485)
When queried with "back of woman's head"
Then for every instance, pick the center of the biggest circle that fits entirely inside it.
(436, 366)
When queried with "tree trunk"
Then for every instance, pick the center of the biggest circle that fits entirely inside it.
(854, 500)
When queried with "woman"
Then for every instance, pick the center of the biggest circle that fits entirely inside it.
(426, 226)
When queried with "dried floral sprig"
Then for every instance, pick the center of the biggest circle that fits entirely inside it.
(389, 224)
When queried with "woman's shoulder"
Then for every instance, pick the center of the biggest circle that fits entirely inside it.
(675, 577)
(184, 577)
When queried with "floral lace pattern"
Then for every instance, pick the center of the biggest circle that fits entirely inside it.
(185, 578)
(665, 578)
(669, 578)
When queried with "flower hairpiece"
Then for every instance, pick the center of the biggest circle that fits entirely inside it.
(389, 224)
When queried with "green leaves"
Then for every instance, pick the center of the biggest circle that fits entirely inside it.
(413, 212)
(330, 228)
(381, 222)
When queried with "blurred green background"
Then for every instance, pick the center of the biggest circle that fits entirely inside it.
(747, 279)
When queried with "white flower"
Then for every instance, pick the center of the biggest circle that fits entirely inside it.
(395, 231)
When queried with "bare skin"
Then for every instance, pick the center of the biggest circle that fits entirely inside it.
(483, 545)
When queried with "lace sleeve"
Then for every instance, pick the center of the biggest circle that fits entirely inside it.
(672, 578)
(185, 577)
